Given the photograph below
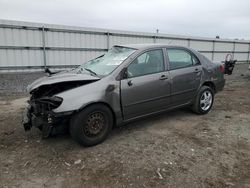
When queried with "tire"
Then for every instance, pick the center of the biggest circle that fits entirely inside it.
(92, 125)
(202, 105)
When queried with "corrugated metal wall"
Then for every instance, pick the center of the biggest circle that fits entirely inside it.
(32, 46)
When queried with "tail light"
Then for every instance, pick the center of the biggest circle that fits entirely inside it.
(222, 68)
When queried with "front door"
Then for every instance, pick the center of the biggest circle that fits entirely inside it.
(147, 86)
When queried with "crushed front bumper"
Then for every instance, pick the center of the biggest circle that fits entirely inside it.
(49, 122)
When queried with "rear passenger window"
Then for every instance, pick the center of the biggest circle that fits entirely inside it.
(180, 59)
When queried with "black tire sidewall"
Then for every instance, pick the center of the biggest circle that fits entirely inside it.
(79, 120)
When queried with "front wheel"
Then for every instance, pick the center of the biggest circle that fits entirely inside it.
(92, 125)
(204, 100)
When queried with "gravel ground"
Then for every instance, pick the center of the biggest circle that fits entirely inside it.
(174, 149)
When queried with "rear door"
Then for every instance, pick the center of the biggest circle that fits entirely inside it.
(185, 72)
(147, 86)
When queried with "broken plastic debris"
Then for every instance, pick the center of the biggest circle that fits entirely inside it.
(27, 163)
(67, 164)
(159, 174)
(83, 166)
(166, 163)
(78, 161)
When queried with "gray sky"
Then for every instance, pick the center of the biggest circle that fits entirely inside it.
(205, 18)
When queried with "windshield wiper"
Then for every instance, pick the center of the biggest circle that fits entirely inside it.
(90, 71)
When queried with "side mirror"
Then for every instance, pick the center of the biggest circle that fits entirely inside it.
(125, 73)
(47, 71)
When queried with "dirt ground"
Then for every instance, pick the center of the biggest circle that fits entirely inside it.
(174, 149)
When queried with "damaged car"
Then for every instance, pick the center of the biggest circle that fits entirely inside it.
(127, 83)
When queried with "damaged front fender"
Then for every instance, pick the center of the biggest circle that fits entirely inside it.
(100, 91)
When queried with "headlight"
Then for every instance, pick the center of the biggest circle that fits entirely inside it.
(53, 101)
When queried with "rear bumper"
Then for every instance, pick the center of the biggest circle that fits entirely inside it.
(219, 84)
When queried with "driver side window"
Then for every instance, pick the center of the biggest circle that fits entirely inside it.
(147, 63)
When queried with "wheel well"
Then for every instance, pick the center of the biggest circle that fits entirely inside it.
(211, 85)
(105, 104)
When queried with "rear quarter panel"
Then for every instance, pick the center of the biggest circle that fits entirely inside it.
(212, 73)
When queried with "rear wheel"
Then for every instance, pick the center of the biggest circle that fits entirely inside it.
(204, 100)
(92, 125)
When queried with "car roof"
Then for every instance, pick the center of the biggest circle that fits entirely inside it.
(145, 46)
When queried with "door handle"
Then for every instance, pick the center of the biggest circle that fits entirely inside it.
(130, 83)
(163, 77)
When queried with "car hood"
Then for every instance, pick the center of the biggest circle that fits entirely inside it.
(60, 78)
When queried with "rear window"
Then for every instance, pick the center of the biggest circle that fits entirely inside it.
(179, 58)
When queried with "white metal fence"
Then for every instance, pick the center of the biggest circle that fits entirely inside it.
(33, 46)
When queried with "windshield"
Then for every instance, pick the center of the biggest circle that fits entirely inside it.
(105, 64)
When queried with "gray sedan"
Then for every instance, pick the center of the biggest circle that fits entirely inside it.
(126, 83)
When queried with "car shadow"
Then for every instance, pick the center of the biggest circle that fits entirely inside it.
(151, 120)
